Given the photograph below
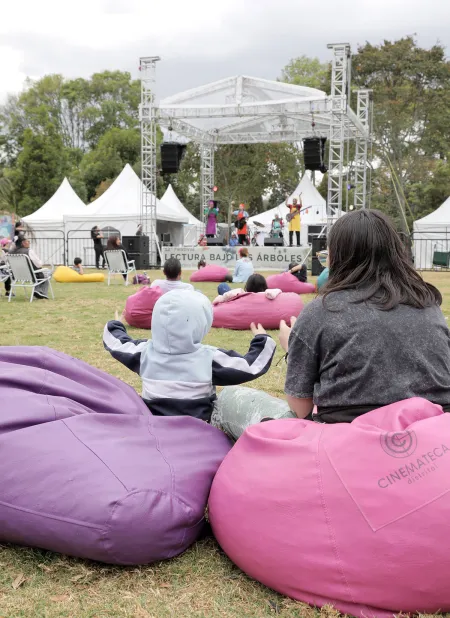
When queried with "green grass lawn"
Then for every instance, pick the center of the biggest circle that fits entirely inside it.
(202, 583)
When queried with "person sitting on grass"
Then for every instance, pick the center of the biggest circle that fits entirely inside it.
(179, 374)
(77, 266)
(172, 271)
(243, 268)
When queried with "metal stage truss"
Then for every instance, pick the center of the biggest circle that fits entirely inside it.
(242, 110)
(148, 153)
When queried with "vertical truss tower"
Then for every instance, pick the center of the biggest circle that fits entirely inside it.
(148, 153)
(206, 177)
(340, 78)
(364, 112)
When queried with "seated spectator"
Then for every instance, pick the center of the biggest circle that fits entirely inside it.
(115, 244)
(201, 263)
(22, 247)
(243, 269)
(172, 271)
(4, 246)
(180, 374)
(77, 267)
(299, 271)
(256, 283)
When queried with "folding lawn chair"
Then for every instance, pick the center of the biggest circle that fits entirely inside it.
(25, 276)
(119, 264)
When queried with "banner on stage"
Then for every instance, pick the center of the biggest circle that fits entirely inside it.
(263, 258)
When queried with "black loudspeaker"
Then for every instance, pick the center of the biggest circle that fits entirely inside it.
(316, 267)
(141, 260)
(171, 156)
(136, 244)
(318, 244)
(314, 153)
(273, 242)
(214, 242)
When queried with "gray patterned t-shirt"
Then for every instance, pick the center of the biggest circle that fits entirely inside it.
(353, 357)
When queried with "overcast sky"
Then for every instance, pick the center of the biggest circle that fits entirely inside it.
(199, 40)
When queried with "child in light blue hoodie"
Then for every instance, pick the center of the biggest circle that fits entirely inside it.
(179, 374)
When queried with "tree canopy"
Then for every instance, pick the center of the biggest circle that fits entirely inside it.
(88, 129)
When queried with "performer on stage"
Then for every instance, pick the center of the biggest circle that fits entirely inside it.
(241, 224)
(211, 223)
(277, 227)
(294, 223)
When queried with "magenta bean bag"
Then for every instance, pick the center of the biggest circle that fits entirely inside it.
(352, 515)
(210, 272)
(239, 312)
(139, 307)
(288, 283)
(86, 470)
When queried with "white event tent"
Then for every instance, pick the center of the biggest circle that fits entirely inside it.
(431, 234)
(46, 224)
(194, 227)
(118, 209)
(314, 213)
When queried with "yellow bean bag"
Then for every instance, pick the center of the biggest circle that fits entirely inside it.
(64, 274)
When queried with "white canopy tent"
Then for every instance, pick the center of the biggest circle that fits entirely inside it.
(314, 213)
(431, 235)
(118, 210)
(46, 225)
(194, 227)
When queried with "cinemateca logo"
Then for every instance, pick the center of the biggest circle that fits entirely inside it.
(399, 444)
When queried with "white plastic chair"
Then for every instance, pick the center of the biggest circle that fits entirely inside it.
(24, 275)
(118, 264)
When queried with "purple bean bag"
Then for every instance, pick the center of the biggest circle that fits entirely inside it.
(353, 515)
(210, 272)
(239, 312)
(139, 307)
(288, 283)
(87, 471)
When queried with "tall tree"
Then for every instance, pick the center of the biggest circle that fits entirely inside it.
(305, 71)
(40, 169)
(411, 92)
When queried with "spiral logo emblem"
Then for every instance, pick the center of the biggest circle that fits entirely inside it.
(399, 444)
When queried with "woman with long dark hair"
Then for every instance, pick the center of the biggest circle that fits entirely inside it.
(374, 335)
(97, 236)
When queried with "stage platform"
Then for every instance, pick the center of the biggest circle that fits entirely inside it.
(264, 258)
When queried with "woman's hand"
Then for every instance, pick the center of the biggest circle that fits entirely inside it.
(285, 331)
(257, 330)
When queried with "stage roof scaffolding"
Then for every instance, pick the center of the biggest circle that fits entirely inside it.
(242, 110)
(247, 110)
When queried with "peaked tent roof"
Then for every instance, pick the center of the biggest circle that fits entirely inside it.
(316, 205)
(63, 202)
(437, 218)
(171, 199)
(123, 199)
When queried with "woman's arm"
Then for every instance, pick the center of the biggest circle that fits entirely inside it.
(35, 259)
(301, 407)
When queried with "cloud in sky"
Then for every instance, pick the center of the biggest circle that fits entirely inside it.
(199, 40)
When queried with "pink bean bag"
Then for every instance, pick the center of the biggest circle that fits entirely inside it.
(288, 283)
(211, 272)
(139, 307)
(352, 515)
(241, 311)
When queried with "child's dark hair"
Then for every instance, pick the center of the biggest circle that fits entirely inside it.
(256, 283)
(172, 268)
(77, 261)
